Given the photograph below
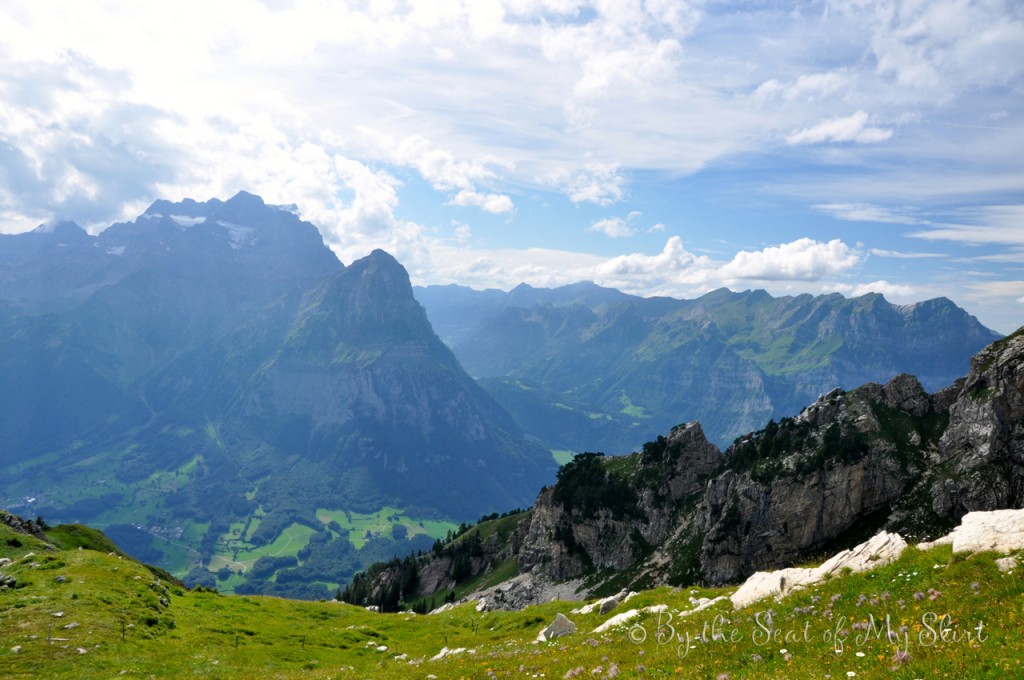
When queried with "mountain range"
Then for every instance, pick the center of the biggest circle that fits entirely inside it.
(210, 385)
(583, 367)
(211, 374)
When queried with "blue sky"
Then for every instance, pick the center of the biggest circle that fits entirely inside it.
(659, 147)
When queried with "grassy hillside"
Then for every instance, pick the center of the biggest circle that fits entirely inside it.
(83, 613)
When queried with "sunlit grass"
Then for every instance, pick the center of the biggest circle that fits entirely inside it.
(380, 523)
(840, 627)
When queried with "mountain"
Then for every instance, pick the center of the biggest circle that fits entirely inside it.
(681, 512)
(588, 368)
(214, 387)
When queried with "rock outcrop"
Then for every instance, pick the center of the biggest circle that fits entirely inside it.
(983, 446)
(559, 627)
(999, 531)
(881, 549)
(565, 537)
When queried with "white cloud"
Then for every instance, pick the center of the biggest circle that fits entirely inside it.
(863, 212)
(941, 46)
(998, 224)
(376, 195)
(802, 260)
(564, 82)
(852, 128)
(807, 87)
(1007, 256)
(881, 252)
(893, 292)
(598, 183)
(673, 264)
(492, 203)
(463, 232)
(438, 166)
(613, 227)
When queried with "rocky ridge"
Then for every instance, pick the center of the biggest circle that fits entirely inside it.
(881, 457)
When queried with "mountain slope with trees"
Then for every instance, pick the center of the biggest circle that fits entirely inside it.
(681, 512)
(583, 367)
(214, 385)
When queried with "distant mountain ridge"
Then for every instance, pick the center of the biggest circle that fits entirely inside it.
(586, 367)
(211, 371)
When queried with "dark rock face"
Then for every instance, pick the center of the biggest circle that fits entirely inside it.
(753, 526)
(983, 446)
(29, 527)
(564, 541)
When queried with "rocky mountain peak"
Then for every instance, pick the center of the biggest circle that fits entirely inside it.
(60, 229)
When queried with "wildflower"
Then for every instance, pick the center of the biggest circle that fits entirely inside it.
(613, 670)
(756, 658)
(722, 676)
(860, 654)
(787, 657)
(851, 674)
(975, 585)
(783, 651)
(900, 658)
(919, 596)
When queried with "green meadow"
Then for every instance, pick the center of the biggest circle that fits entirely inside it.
(93, 613)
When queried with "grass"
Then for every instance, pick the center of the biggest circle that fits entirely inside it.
(380, 523)
(630, 409)
(562, 456)
(118, 618)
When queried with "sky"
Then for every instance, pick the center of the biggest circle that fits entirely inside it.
(659, 147)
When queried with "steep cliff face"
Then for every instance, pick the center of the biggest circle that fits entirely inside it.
(570, 533)
(878, 457)
(982, 449)
(845, 471)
